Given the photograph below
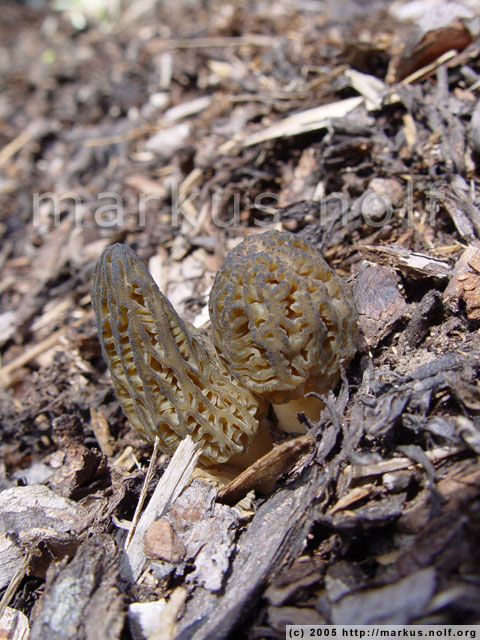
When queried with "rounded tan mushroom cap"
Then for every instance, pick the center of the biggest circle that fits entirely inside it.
(165, 382)
(281, 318)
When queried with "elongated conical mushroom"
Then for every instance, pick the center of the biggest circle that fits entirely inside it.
(165, 381)
(283, 321)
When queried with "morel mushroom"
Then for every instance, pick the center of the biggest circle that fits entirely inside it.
(165, 382)
(283, 321)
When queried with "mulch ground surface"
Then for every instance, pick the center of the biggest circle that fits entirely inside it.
(179, 129)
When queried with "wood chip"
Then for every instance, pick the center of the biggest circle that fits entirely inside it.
(9, 371)
(416, 265)
(380, 304)
(101, 430)
(30, 516)
(270, 467)
(465, 283)
(167, 623)
(14, 625)
(303, 122)
(83, 599)
(174, 480)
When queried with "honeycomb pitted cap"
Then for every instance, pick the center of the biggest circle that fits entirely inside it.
(281, 318)
(165, 381)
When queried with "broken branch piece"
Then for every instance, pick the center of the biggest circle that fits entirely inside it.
(164, 380)
(267, 469)
(283, 321)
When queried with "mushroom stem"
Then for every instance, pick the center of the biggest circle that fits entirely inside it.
(261, 444)
(286, 413)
